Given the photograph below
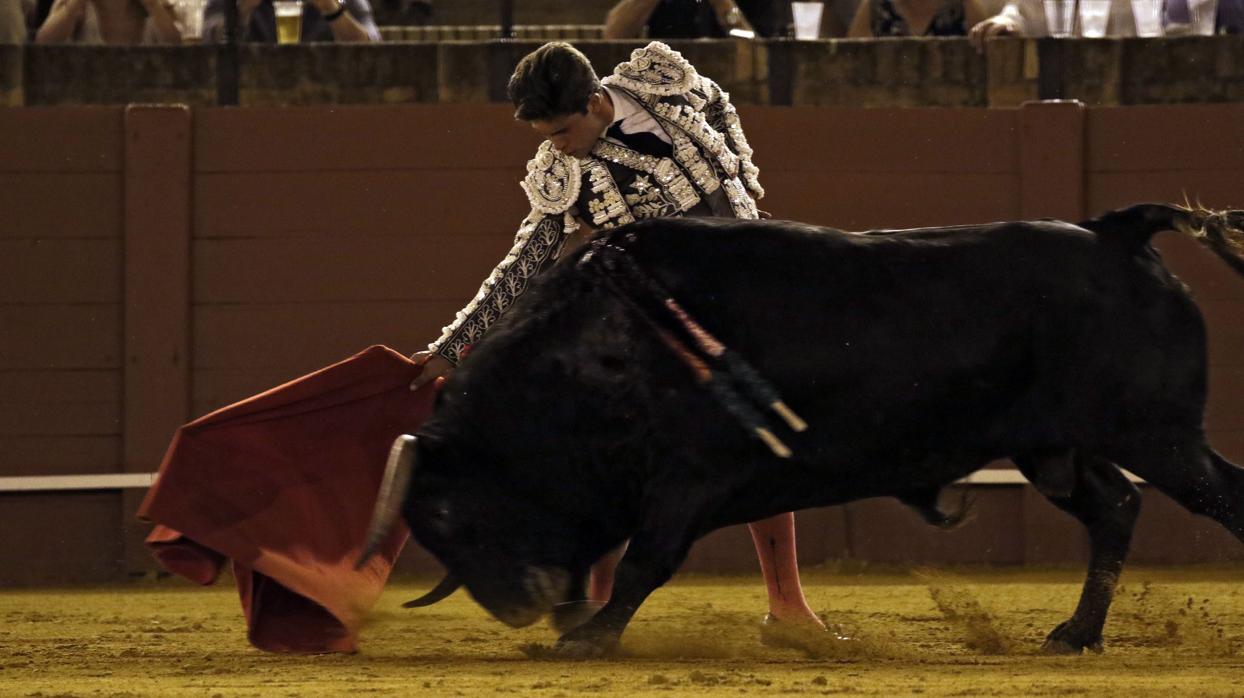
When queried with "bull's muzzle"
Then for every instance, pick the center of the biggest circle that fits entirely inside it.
(542, 589)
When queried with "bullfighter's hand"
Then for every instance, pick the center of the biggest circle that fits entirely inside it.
(434, 366)
(764, 214)
(998, 25)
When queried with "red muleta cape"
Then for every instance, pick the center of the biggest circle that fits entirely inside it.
(283, 484)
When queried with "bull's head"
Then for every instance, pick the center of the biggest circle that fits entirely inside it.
(515, 554)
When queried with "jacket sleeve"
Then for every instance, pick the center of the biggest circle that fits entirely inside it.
(539, 241)
(723, 117)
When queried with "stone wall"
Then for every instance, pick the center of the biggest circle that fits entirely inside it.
(872, 73)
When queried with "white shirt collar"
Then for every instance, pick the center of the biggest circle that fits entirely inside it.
(623, 105)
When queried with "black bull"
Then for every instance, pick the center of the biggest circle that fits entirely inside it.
(916, 357)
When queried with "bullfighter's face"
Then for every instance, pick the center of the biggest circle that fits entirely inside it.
(576, 134)
(515, 558)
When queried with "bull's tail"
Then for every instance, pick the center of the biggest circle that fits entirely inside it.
(1221, 231)
(926, 503)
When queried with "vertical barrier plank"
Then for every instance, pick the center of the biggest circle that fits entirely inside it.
(157, 296)
(1051, 159)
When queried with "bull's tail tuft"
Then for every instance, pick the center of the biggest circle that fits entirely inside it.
(925, 503)
(1221, 231)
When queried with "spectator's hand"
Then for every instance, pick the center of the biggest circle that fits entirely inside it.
(73, 8)
(729, 16)
(434, 366)
(998, 25)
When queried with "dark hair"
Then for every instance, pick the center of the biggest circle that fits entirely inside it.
(554, 80)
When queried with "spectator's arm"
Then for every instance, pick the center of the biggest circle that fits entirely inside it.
(1008, 22)
(161, 22)
(62, 22)
(627, 18)
(12, 22)
(861, 23)
(973, 13)
(355, 25)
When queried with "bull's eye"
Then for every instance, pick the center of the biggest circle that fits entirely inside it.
(438, 518)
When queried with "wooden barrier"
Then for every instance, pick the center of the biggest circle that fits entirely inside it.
(158, 263)
(61, 191)
(893, 72)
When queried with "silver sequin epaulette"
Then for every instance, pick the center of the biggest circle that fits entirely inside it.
(552, 181)
(656, 69)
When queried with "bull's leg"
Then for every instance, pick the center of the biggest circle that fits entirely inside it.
(1107, 504)
(655, 553)
(577, 608)
(1187, 470)
(588, 593)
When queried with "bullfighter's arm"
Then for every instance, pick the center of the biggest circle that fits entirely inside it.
(536, 247)
(723, 117)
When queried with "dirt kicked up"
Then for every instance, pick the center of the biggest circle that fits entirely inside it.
(923, 632)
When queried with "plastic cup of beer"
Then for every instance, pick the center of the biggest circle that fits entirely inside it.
(288, 20)
(1059, 17)
(807, 16)
(1203, 14)
(1094, 15)
(188, 15)
(1148, 15)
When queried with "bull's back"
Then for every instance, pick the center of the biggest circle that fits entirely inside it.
(929, 333)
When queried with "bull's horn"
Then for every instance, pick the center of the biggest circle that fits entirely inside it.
(392, 491)
(447, 586)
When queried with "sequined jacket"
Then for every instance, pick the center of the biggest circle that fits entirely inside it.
(710, 173)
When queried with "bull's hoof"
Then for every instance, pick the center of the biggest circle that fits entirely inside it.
(571, 614)
(581, 649)
(1065, 640)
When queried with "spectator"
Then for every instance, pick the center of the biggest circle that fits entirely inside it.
(12, 22)
(109, 22)
(322, 20)
(1230, 18)
(692, 19)
(878, 18)
(1027, 18)
(407, 13)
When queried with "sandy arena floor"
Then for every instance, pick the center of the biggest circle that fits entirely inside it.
(931, 633)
